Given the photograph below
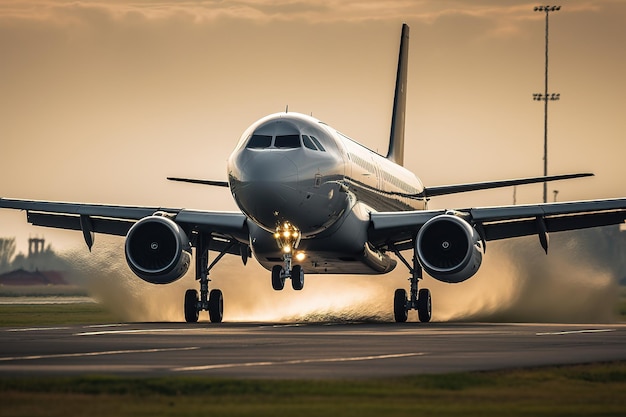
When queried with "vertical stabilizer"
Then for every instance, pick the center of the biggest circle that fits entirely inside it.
(396, 139)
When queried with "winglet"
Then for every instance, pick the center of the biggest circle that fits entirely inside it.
(396, 138)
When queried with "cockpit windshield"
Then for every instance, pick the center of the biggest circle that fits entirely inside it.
(259, 142)
(280, 141)
(286, 135)
(287, 141)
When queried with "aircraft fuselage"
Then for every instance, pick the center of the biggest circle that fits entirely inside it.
(292, 168)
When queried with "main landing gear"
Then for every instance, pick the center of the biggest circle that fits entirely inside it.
(212, 302)
(288, 237)
(417, 300)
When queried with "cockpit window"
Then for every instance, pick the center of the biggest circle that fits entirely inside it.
(259, 142)
(287, 141)
(317, 142)
(308, 142)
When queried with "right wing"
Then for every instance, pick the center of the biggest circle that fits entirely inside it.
(117, 220)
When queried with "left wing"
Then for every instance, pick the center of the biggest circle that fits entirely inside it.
(117, 220)
(398, 229)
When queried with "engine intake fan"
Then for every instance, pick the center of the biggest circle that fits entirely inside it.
(158, 250)
(449, 248)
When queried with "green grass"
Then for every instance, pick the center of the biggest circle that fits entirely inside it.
(54, 314)
(556, 391)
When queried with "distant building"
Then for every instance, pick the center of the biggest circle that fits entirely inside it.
(23, 277)
(35, 246)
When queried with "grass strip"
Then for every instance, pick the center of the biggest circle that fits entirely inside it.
(595, 389)
(54, 314)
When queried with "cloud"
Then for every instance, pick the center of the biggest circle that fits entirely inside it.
(490, 19)
(76, 12)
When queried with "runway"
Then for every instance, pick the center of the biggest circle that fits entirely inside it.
(302, 351)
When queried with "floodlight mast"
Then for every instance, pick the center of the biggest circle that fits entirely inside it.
(545, 97)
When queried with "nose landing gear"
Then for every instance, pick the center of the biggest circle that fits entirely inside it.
(288, 238)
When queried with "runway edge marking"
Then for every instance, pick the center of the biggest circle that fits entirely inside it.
(102, 353)
(136, 331)
(564, 332)
(296, 362)
(36, 329)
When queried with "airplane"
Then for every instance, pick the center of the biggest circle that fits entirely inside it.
(314, 201)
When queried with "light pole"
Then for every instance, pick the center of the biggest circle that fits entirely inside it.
(545, 97)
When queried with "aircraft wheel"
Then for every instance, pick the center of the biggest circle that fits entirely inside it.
(400, 312)
(216, 306)
(191, 306)
(278, 280)
(297, 277)
(424, 305)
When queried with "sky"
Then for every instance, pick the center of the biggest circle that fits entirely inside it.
(101, 101)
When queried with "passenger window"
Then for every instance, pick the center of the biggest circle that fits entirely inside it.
(287, 141)
(319, 145)
(308, 142)
(259, 142)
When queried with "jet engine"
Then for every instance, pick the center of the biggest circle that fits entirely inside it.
(449, 248)
(158, 250)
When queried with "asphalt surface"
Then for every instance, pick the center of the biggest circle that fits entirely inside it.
(302, 351)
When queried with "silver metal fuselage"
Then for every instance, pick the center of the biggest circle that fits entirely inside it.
(289, 167)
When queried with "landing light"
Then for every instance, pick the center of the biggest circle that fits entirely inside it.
(287, 237)
(300, 256)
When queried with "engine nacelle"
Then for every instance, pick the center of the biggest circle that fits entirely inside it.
(158, 250)
(449, 248)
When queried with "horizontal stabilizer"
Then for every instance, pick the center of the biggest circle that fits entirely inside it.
(462, 188)
(202, 182)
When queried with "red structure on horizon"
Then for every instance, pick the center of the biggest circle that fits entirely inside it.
(23, 277)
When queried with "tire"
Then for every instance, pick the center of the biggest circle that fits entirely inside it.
(216, 306)
(278, 281)
(297, 278)
(191, 306)
(424, 305)
(400, 312)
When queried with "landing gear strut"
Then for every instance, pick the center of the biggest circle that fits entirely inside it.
(287, 238)
(417, 300)
(281, 273)
(212, 302)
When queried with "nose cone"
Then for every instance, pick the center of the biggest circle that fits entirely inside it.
(266, 166)
(286, 169)
(264, 184)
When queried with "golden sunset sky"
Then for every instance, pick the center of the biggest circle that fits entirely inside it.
(101, 100)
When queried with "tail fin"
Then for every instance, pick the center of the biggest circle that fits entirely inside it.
(396, 139)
